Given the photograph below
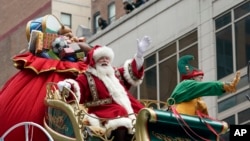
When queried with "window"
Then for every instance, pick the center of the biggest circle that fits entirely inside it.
(66, 19)
(111, 12)
(232, 40)
(233, 53)
(148, 88)
(244, 116)
(230, 120)
(233, 101)
(224, 52)
(226, 104)
(95, 22)
(161, 73)
(168, 77)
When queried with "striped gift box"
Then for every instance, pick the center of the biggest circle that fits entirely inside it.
(48, 38)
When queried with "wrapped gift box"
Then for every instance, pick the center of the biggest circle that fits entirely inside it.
(48, 38)
(32, 41)
(39, 43)
(75, 47)
(80, 55)
(66, 52)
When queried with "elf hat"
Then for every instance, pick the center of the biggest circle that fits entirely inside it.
(186, 70)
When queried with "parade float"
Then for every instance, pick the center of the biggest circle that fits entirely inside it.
(65, 120)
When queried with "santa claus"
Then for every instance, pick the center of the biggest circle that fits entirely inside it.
(104, 89)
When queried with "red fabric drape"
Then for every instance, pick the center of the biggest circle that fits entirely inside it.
(22, 96)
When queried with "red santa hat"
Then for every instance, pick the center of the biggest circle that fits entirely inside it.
(97, 52)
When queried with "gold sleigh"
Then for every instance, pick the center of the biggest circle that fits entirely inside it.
(65, 121)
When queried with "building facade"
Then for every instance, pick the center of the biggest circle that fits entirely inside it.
(74, 13)
(16, 14)
(214, 31)
(108, 10)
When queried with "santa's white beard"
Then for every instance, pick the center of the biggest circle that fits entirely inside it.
(106, 70)
(107, 75)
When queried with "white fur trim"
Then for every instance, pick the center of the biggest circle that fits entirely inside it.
(116, 90)
(120, 122)
(93, 120)
(76, 88)
(103, 51)
(127, 75)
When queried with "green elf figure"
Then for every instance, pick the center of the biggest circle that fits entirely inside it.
(186, 97)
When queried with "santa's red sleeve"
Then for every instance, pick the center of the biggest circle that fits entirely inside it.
(132, 74)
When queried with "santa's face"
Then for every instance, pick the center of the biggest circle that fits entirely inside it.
(104, 61)
(103, 66)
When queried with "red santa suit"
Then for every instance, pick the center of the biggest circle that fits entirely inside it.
(111, 97)
(22, 96)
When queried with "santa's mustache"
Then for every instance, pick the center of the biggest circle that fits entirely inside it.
(104, 64)
(104, 69)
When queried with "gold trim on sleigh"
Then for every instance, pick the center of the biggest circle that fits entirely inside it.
(75, 113)
(148, 122)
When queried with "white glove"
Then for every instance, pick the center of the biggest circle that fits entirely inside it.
(142, 46)
(62, 84)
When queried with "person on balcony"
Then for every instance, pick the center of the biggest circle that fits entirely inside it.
(138, 3)
(128, 7)
(104, 89)
(102, 23)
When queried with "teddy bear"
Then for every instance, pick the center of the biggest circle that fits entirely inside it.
(67, 32)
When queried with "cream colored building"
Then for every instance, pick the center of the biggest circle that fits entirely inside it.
(74, 13)
(216, 32)
(16, 15)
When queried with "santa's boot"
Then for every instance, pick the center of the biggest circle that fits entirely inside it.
(121, 134)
